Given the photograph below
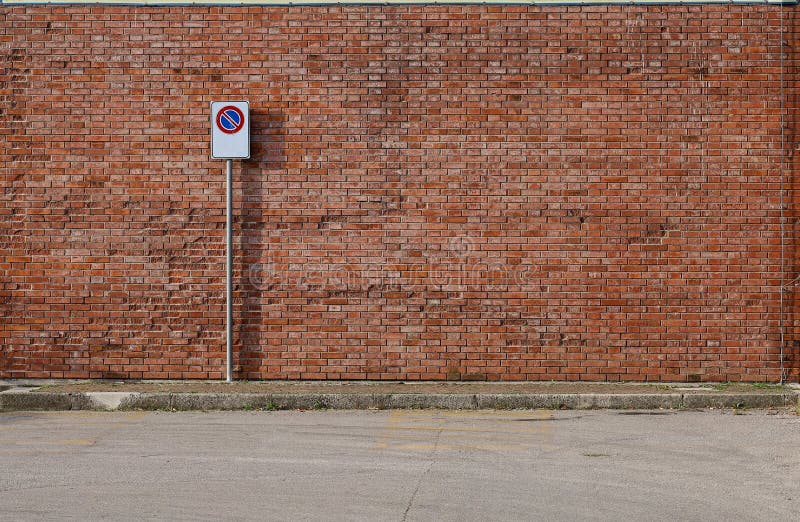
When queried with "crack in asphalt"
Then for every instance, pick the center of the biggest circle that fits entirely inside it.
(431, 462)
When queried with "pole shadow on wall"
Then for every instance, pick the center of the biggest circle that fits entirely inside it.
(791, 162)
(263, 169)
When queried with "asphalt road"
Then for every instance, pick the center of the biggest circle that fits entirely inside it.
(400, 465)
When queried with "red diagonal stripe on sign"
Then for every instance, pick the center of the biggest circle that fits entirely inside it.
(224, 115)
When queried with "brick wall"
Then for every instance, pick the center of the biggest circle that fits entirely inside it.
(473, 192)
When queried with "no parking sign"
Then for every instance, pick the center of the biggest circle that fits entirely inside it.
(230, 130)
(230, 140)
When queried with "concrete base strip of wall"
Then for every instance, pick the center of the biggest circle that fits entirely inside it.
(13, 400)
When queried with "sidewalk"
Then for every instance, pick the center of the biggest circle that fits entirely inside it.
(304, 395)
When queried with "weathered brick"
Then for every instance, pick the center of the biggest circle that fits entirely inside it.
(435, 192)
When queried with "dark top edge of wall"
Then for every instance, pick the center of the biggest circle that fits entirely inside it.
(310, 3)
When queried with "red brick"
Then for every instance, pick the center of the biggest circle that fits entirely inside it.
(518, 192)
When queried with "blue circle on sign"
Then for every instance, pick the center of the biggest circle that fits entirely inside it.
(230, 119)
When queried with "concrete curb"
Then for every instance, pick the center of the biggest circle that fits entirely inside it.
(125, 401)
(16, 401)
(740, 400)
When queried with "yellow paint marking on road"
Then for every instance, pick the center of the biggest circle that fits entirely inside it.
(390, 426)
(78, 442)
(438, 447)
(422, 436)
(499, 431)
(97, 424)
(45, 442)
(494, 414)
(412, 430)
(36, 453)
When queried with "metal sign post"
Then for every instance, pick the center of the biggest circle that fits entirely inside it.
(229, 271)
(230, 139)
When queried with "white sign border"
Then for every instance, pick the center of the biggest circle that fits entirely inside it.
(246, 129)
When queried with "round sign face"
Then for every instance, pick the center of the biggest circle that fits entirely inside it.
(230, 119)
